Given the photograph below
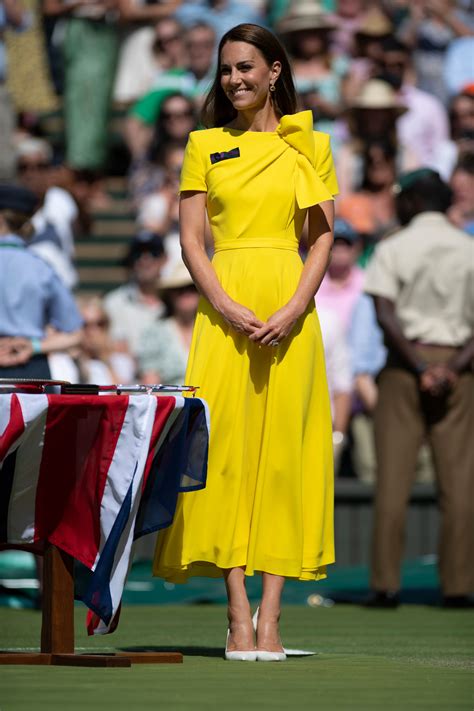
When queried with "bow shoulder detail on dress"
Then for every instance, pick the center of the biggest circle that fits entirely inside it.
(297, 131)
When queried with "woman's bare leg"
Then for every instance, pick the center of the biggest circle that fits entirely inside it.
(238, 612)
(268, 635)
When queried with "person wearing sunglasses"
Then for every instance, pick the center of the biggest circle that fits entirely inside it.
(98, 360)
(146, 53)
(193, 81)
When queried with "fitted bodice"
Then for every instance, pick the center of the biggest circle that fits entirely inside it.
(260, 184)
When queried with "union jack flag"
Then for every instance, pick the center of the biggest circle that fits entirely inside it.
(90, 474)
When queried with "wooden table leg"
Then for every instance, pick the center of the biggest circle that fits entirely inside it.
(57, 630)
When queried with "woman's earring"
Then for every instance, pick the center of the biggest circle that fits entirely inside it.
(272, 87)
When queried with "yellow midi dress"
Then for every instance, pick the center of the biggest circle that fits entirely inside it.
(268, 502)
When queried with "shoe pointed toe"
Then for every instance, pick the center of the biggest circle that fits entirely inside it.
(241, 656)
(264, 656)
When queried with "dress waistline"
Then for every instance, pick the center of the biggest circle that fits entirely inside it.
(257, 243)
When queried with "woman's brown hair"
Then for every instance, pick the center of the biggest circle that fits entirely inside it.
(217, 109)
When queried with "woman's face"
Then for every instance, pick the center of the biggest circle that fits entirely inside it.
(245, 75)
(177, 117)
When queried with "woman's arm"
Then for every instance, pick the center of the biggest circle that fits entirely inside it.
(320, 238)
(192, 212)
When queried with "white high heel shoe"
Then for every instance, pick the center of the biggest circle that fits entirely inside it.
(237, 655)
(262, 654)
(286, 652)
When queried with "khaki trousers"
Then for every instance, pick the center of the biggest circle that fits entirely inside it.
(403, 417)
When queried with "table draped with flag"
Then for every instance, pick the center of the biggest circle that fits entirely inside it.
(90, 474)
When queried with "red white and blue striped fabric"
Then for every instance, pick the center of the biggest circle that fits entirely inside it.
(90, 474)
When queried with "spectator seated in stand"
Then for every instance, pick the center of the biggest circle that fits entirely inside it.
(429, 30)
(372, 116)
(343, 282)
(424, 127)
(221, 15)
(135, 305)
(461, 212)
(159, 211)
(149, 50)
(192, 81)
(367, 52)
(371, 208)
(350, 16)
(164, 345)
(147, 173)
(56, 219)
(98, 361)
(306, 31)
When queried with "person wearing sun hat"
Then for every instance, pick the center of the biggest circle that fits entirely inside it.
(31, 295)
(372, 115)
(164, 346)
(367, 51)
(421, 281)
(306, 30)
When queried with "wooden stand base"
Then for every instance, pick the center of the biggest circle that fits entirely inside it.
(57, 629)
(120, 659)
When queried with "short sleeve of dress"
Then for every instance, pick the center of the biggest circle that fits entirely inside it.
(381, 276)
(193, 174)
(324, 162)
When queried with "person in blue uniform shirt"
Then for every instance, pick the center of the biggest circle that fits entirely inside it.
(38, 314)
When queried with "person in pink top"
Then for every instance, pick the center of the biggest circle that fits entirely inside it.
(343, 282)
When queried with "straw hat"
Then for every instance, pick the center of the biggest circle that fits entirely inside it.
(378, 94)
(375, 24)
(176, 278)
(305, 15)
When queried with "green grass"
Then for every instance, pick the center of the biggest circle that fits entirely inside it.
(410, 658)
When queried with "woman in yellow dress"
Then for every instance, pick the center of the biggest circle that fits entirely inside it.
(256, 352)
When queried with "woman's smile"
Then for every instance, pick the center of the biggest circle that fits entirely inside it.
(245, 76)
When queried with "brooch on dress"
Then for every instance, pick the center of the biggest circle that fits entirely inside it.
(225, 155)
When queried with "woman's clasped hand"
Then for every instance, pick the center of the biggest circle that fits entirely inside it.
(266, 333)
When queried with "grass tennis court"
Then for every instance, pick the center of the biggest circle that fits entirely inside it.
(411, 658)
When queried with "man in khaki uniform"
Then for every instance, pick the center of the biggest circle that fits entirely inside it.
(422, 282)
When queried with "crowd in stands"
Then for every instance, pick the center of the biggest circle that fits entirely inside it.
(392, 82)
